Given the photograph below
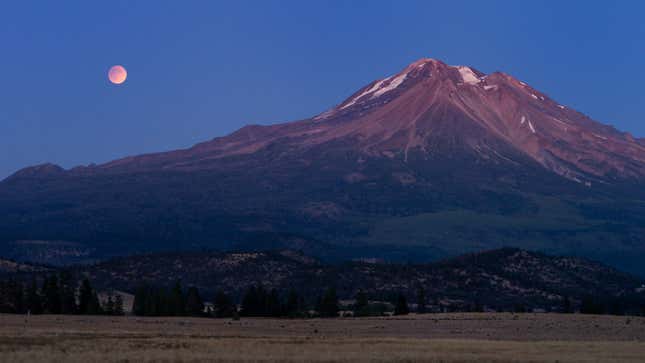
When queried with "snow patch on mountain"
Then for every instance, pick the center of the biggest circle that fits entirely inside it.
(467, 75)
(531, 127)
(376, 86)
(392, 85)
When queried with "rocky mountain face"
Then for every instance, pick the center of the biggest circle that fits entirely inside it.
(499, 279)
(431, 162)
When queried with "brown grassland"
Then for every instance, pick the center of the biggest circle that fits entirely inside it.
(472, 337)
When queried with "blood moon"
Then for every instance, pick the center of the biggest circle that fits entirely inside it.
(117, 74)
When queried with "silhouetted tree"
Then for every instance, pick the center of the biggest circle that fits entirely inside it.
(293, 306)
(519, 308)
(85, 295)
(421, 300)
(401, 307)
(194, 303)
(177, 303)
(223, 304)
(67, 294)
(273, 305)
(108, 308)
(590, 305)
(616, 307)
(33, 300)
(118, 305)
(94, 307)
(12, 298)
(566, 305)
(255, 302)
(140, 303)
(51, 295)
(328, 307)
(361, 306)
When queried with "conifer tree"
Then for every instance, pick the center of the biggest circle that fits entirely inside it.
(194, 303)
(140, 304)
(292, 307)
(361, 306)
(273, 306)
(67, 294)
(329, 304)
(118, 305)
(85, 296)
(51, 295)
(251, 302)
(566, 305)
(94, 306)
(421, 300)
(401, 307)
(224, 306)
(176, 302)
(33, 299)
(108, 309)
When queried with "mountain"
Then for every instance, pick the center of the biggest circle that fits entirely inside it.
(430, 110)
(431, 162)
(500, 279)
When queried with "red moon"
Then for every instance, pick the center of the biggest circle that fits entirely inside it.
(117, 74)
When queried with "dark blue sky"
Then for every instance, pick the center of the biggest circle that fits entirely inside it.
(203, 69)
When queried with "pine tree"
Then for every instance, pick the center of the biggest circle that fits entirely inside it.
(108, 308)
(33, 299)
(176, 301)
(273, 306)
(118, 305)
(94, 306)
(329, 304)
(51, 295)
(11, 297)
(18, 297)
(224, 306)
(421, 300)
(140, 304)
(194, 303)
(566, 305)
(292, 307)
(251, 302)
(85, 295)
(401, 307)
(67, 294)
(361, 306)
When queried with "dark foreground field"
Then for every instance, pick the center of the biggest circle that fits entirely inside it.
(500, 337)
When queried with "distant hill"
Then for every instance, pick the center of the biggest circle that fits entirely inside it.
(499, 279)
(9, 267)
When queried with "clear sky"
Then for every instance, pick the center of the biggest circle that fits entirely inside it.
(201, 69)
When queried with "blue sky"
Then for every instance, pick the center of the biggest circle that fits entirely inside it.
(201, 69)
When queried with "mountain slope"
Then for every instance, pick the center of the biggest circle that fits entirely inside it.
(394, 172)
(431, 108)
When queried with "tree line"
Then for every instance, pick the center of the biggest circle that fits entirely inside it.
(56, 294)
(257, 301)
(59, 293)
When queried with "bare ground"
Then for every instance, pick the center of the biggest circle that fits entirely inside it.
(482, 337)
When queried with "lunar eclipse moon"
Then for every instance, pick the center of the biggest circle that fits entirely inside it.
(117, 74)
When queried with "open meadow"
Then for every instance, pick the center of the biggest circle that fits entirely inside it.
(480, 337)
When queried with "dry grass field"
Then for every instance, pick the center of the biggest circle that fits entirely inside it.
(485, 337)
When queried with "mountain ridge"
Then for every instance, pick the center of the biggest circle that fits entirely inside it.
(513, 112)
